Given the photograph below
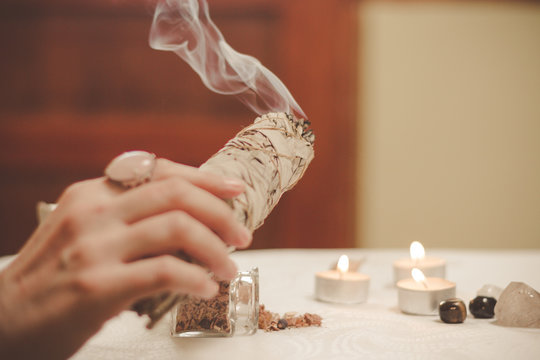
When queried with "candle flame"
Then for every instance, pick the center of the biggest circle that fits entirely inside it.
(343, 264)
(417, 250)
(419, 276)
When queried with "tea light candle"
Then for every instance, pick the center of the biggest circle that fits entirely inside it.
(430, 266)
(421, 296)
(341, 285)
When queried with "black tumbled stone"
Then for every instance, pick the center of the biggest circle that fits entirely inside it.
(482, 307)
(453, 311)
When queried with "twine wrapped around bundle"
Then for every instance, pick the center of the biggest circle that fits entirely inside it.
(270, 156)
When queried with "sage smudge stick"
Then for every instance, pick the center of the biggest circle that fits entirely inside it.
(270, 156)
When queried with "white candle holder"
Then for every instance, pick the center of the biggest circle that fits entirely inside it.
(431, 266)
(345, 288)
(423, 298)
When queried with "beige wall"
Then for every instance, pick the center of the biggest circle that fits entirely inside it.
(449, 142)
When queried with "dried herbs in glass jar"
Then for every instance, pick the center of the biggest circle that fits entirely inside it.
(234, 310)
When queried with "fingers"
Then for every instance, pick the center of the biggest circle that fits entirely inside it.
(174, 231)
(167, 273)
(220, 186)
(154, 275)
(177, 194)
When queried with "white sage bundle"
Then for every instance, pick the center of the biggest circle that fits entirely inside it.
(270, 156)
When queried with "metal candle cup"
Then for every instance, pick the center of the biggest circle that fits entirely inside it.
(423, 298)
(340, 285)
(430, 266)
(343, 288)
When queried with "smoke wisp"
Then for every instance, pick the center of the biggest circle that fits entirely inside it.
(185, 28)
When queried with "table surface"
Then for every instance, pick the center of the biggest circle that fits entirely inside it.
(375, 329)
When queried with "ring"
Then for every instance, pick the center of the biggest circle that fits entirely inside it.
(131, 169)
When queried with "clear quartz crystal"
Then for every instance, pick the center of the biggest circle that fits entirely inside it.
(518, 306)
(234, 311)
(490, 290)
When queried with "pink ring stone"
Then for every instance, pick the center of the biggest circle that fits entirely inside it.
(131, 168)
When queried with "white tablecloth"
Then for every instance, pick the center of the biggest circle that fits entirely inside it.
(376, 329)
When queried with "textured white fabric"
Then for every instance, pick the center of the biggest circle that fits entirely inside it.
(374, 330)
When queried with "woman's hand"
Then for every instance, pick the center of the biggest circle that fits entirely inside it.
(103, 248)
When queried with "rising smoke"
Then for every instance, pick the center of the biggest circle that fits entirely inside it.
(185, 28)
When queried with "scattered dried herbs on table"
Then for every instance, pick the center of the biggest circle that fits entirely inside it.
(269, 321)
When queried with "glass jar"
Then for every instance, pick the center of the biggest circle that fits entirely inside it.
(234, 310)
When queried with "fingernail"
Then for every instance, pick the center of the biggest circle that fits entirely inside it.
(246, 236)
(234, 184)
(211, 289)
(232, 270)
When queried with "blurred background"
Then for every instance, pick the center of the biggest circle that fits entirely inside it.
(426, 112)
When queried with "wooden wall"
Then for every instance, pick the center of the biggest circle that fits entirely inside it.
(79, 84)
